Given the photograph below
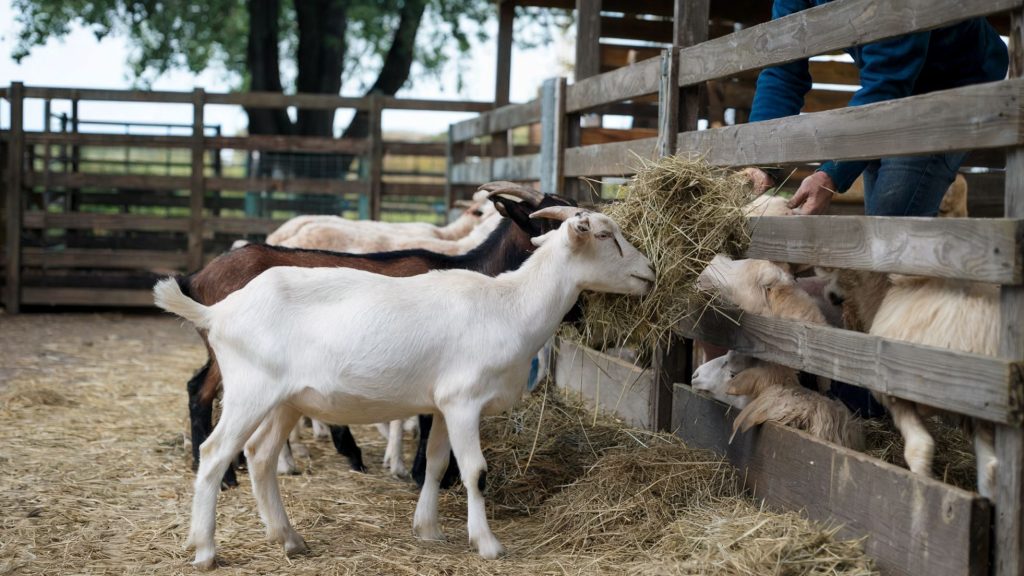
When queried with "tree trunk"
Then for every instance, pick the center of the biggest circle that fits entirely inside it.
(321, 52)
(263, 64)
(397, 66)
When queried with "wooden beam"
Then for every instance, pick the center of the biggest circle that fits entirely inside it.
(242, 226)
(552, 143)
(375, 155)
(197, 189)
(1009, 441)
(972, 249)
(520, 168)
(304, 185)
(85, 221)
(279, 100)
(923, 374)
(39, 296)
(979, 116)
(268, 143)
(824, 29)
(425, 105)
(102, 180)
(640, 79)
(392, 148)
(618, 55)
(913, 525)
(606, 383)
(104, 258)
(503, 71)
(504, 118)
(128, 140)
(588, 39)
(13, 202)
(616, 159)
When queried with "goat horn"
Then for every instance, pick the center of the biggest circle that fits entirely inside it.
(462, 203)
(557, 212)
(524, 193)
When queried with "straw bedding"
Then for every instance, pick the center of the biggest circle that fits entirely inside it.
(95, 480)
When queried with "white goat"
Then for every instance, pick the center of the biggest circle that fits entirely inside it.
(951, 314)
(766, 392)
(478, 210)
(454, 343)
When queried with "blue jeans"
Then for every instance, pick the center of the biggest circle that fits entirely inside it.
(901, 186)
(909, 185)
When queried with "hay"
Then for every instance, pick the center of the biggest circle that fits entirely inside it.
(954, 461)
(680, 212)
(101, 485)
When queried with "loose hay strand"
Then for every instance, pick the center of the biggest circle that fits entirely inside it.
(680, 212)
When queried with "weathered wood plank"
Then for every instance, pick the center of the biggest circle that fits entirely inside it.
(606, 383)
(85, 221)
(588, 38)
(615, 159)
(498, 120)
(13, 200)
(286, 144)
(412, 189)
(392, 148)
(914, 525)
(305, 185)
(197, 185)
(972, 249)
(932, 376)
(130, 140)
(279, 100)
(639, 79)
(471, 172)
(979, 116)
(428, 105)
(527, 167)
(86, 297)
(161, 96)
(100, 180)
(824, 29)
(103, 258)
(242, 226)
(375, 156)
(553, 132)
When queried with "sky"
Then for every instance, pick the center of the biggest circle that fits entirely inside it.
(79, 60)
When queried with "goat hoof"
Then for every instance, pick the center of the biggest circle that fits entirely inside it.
(205, 563)
(429, 532)
(489, 547)
(359, 467)
(295, 545)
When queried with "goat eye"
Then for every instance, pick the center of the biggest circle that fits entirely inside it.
(478, 212)
(603, 235)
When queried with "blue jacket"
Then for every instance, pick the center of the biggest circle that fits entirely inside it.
(970, 52)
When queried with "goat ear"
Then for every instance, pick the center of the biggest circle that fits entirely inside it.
(579, 230)
(540, 240)
(517, 212)
(741, 384)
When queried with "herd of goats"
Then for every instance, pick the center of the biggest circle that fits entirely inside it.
(360, 322)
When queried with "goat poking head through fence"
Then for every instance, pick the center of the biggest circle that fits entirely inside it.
(353, 347)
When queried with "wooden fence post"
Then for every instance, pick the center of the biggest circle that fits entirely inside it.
(15, 165)
(376, 151)
(1008, 540)
(500, 141)
(196, 185)
(552, 139)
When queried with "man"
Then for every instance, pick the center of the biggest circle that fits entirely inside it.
(970, 52)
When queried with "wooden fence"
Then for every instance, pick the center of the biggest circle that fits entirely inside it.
(913, 525)
(92, 217)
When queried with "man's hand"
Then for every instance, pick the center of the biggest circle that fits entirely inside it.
(760, 179)
(814, 194)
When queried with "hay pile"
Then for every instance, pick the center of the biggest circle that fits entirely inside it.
(95, 479)
(680, 212)
(954, 451)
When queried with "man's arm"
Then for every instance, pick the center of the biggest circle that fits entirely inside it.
(888, 70)
(781, 89)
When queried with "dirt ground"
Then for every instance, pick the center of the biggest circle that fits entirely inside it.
(95, 476)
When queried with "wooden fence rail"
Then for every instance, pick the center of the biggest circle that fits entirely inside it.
(50, 252)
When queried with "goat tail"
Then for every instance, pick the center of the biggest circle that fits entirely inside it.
(168, 294)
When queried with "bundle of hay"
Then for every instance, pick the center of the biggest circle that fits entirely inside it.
(680, 212)
(954, 462)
